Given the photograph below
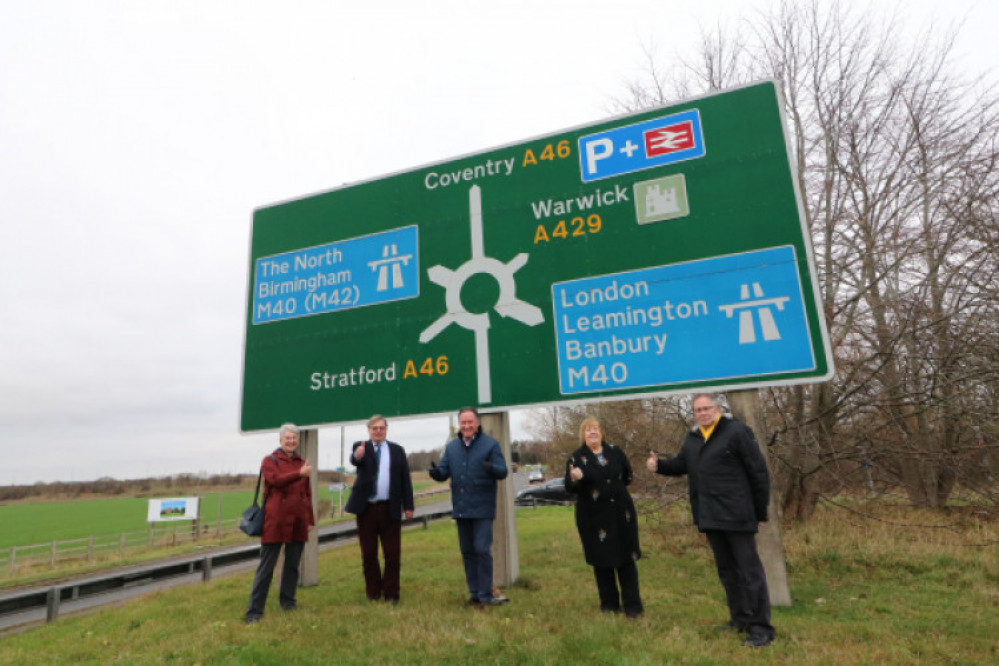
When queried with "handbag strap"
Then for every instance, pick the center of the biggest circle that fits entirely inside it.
(256, 493)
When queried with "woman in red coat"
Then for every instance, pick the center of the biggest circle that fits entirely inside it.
(288, 517)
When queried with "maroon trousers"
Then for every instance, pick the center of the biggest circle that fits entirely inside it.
(373, 525)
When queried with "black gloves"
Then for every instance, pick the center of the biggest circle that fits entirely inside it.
(488, 466)
(434, 473)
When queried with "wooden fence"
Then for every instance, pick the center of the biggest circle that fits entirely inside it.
(159, 535)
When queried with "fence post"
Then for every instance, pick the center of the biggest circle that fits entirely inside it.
(121, 545)
(152, 534)
(55, 549)
(90, 548)
(13, 557)
(52, 604)
(206, 569)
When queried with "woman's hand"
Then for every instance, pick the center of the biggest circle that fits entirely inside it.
(653, 462)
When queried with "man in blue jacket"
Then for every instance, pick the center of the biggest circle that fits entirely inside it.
(474, 463)
(729, 494)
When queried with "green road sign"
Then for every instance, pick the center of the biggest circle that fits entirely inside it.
(663, 251)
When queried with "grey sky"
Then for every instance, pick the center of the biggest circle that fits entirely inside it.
(136, 138)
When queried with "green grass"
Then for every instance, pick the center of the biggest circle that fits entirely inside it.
(39, 523)
(27, 524)
(859, 598)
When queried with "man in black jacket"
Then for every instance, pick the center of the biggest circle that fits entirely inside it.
(382, 494)
(729, 493)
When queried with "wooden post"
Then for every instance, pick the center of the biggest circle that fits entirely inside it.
(52, 598)
(196, 525)
(308, 448)
(746, 407)
(506, 557)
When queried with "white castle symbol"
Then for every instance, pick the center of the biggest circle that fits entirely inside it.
(659, 201)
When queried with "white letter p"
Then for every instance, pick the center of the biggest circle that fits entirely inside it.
(596, 150)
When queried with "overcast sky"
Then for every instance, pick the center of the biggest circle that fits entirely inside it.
(136, 138)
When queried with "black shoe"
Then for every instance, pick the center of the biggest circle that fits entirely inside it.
(394, 602)
(290, 607)
(473, 601)
(633, 615)
(251, 619)
(758, 641)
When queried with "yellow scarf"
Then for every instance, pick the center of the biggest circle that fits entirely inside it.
(706, 432)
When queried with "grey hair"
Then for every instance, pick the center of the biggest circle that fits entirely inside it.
(290, 427)
(713, 397)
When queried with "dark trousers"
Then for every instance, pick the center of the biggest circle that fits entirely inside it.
(608, 579)
(373, 525)
(475, 538)
(265, 573)
(741, 573)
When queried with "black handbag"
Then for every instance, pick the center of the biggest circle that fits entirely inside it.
(252, 520)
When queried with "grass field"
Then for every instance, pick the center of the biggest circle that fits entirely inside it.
(864, 592)
(42, 522)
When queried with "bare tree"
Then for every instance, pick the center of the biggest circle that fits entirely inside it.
(895, 153)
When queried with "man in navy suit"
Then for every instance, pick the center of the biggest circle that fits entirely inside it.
(382, 493)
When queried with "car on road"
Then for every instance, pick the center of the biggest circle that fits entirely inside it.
(535, 476)
(553, 492)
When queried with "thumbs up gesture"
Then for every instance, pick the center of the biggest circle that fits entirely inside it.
(653, 462)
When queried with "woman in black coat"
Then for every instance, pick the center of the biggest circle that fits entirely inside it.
(599, 474)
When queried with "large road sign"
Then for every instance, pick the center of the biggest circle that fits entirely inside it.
(663, 251)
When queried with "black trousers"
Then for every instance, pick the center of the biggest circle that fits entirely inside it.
(607, 587)
(374, 525)
(265, 573)
(741, 573)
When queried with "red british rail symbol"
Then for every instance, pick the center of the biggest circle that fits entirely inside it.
(669, 139)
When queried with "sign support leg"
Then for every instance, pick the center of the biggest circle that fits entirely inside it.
(506, 557)
(746, 407)
(309, 571)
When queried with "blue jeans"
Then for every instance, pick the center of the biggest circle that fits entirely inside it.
(475, 538)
